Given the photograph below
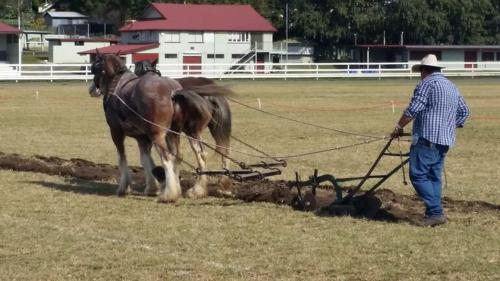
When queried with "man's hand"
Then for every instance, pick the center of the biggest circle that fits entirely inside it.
(397, 132)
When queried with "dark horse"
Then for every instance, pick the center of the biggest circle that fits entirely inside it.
(144, 108)
(220, 122)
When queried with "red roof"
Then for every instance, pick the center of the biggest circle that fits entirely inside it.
(203, 17)
(83, 39)
(7, 29)
(121, 48)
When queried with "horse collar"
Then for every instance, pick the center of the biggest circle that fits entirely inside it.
(122, 70)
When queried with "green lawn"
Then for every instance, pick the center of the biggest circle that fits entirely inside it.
(50, 232)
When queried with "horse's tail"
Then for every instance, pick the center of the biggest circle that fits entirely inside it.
(190, 101)
(221, 123)
(211, 90)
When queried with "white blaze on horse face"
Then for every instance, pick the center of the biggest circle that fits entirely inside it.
(94, 91)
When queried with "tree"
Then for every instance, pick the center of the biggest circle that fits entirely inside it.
(334, 24)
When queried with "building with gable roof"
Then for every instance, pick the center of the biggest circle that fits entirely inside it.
(195, 34)
(9, 43)
(458, 56)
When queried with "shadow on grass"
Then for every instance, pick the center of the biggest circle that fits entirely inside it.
(80, 186)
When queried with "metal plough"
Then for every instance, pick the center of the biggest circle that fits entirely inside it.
(346, 203)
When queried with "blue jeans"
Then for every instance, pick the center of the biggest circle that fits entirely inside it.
(426, 164)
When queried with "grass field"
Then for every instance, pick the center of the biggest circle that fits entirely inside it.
(50, 231)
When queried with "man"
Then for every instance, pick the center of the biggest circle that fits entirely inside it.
(437, 109)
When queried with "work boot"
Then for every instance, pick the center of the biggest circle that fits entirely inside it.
(433, 221)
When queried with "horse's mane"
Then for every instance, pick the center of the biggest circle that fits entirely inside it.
(114, 65)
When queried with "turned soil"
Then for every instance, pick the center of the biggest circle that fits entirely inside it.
(384, 204)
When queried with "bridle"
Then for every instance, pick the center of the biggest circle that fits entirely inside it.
(97, 69)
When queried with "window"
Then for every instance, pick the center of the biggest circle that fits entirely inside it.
(79, 43)
(172, 37)
(170, 56)
(217, 56)
(195, 37)
(237, 56)
(139, 36)
(12, 39)
(238, 37)
(487, 56)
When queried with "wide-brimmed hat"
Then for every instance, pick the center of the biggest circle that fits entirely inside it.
(430, 60)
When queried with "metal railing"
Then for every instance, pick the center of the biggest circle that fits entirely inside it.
(52, 72)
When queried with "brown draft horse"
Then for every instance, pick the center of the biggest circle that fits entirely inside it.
(144, 108)
(220, 122)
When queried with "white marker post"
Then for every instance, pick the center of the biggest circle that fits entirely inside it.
(258, 102)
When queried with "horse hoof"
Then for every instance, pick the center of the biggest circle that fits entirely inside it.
(196, 192)
(121, 193)
(226, 186)
(164, 198)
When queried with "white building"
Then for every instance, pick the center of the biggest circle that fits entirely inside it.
(298, 51)
(65, 50)
(191, 35)
(66, 22)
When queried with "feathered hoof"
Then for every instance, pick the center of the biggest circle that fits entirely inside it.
(196, 191)
(225, 186)
(162, 198)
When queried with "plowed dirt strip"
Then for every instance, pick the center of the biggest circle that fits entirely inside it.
(394, 207)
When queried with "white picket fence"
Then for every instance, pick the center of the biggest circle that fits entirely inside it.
(52, 72)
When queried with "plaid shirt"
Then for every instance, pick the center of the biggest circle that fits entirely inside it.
(438, 109)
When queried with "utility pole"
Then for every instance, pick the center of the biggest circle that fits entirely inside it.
(19, 38)
(286, 32)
